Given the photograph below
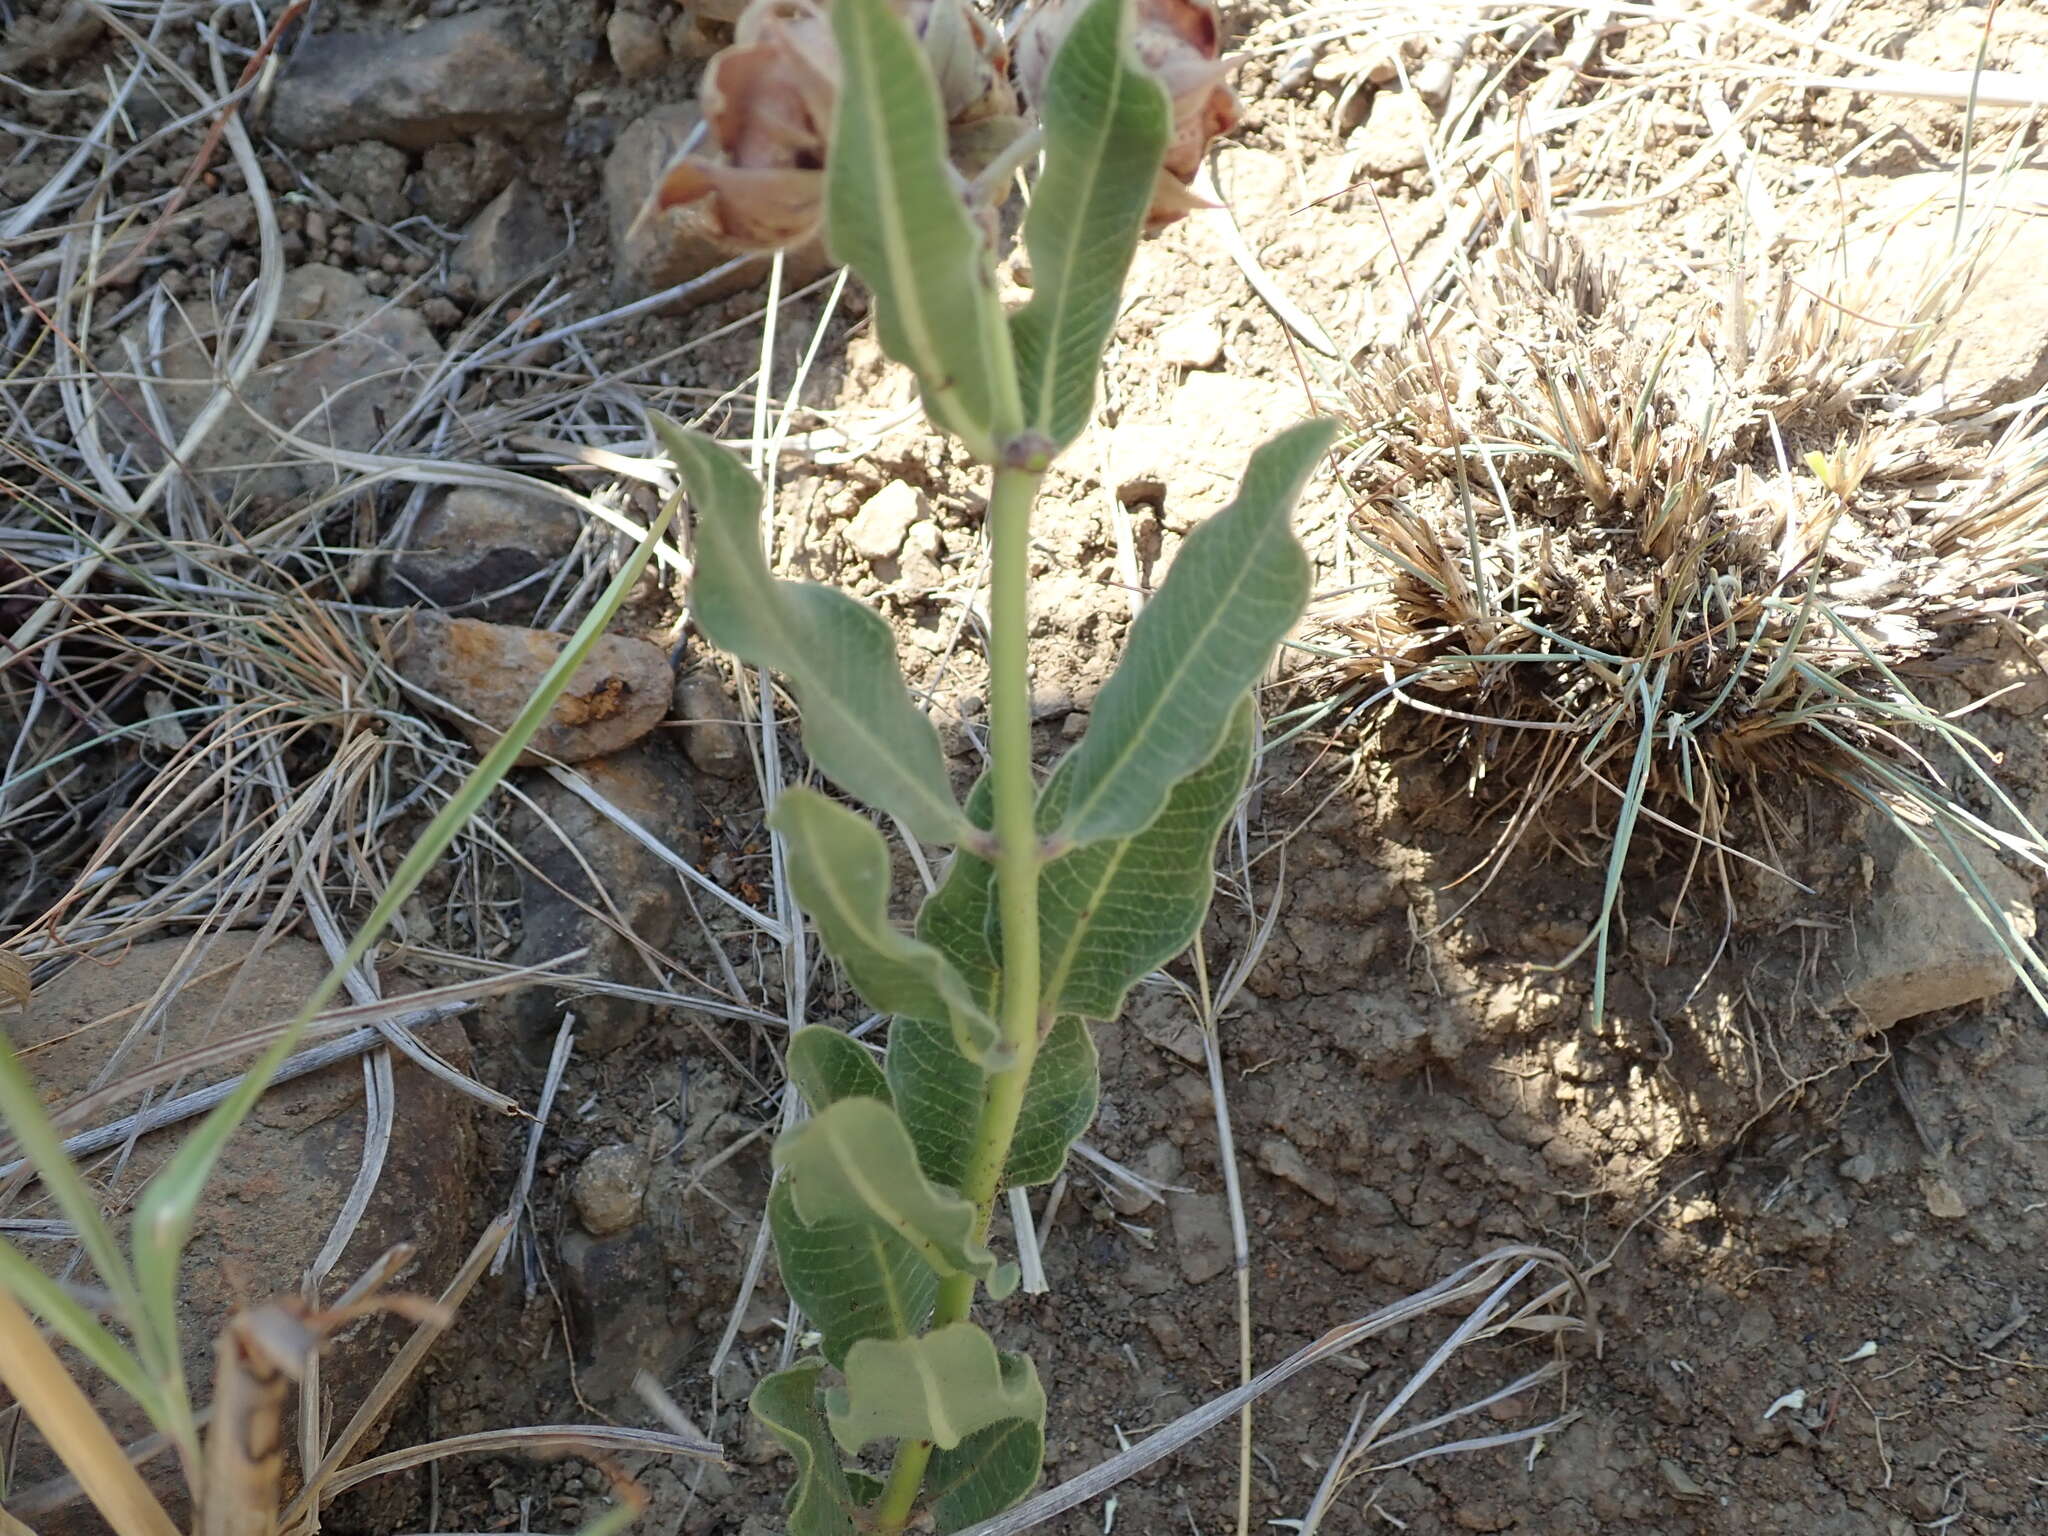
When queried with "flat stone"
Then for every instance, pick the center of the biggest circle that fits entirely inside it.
(341, 365)
(450, 78)
(513, 239)
(572, 848)
(489, 671)
(714, 737)
(282, 1180)
(1282, 1159)
(1201, 1233)
(878, 529)
(1919, 948)
(475, 541)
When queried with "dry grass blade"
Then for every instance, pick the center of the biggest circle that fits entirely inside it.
(31, 1371)
(1497, 1273)
(1641, 574)
(16, 986)
(531, 1440)
(302, 1513)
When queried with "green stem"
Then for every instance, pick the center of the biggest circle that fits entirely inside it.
(1018, 858)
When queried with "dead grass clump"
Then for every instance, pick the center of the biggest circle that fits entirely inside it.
(1680, 568)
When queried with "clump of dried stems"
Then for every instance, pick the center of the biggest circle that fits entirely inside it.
(1681, 568)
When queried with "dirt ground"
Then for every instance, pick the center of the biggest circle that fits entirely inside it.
(1814, 1248)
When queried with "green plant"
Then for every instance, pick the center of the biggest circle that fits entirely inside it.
(1059, 897)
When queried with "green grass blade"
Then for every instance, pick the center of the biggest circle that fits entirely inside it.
(43, 1146)
(164, 1214)
(53, 1306)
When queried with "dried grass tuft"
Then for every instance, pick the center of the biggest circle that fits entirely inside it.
(1680, 568)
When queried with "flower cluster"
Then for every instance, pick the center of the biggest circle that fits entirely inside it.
(768, 103)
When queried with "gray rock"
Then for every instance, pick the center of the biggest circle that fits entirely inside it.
(478, 540)
(608, 1189)
(281, 1181)
(1201, 1232)
(636, 43)
(1396, 138)
(1920, 948)
(450, 78)
(515, 236)
(342, 364)
(487, 672)
(560, 905)
(878, 529)
(376, 173)
(457, 178)
(713, 734)
(624, 1311)
(1282, 1159)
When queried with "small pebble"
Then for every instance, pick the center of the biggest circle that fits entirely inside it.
(1192, 341)
(637, 46)
(608, 1189)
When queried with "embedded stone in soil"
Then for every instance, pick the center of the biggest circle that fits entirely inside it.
(282, 1180)
(487, 672)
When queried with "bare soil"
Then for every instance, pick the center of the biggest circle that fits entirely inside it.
(1815, 1250)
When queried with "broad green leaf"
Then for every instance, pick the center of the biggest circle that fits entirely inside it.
(938, 1093)
(1106, 126)
(895, 214)
(820, 1503)
(941, 1387)
(959, 919)
(839, 869)
(1059, 1101)
(828, 1065)
(1235, 589)
(1111, 912)
(854, 1278)
(860, 723)
(985, 1474)
(856, 1160)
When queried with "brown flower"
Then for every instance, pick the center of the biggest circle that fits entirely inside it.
(1181, 43)
(768, 103)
